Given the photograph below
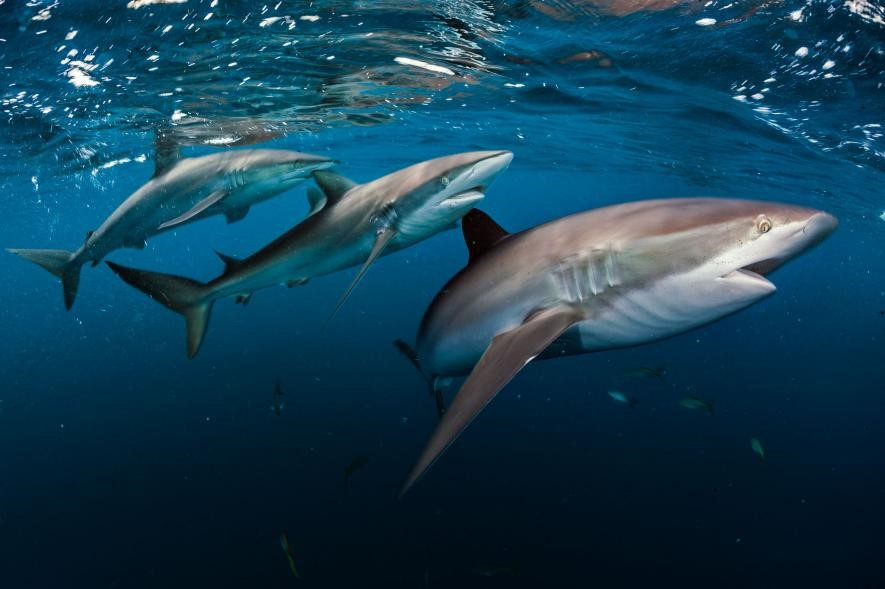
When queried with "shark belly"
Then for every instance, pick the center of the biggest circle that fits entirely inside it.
(666, 307)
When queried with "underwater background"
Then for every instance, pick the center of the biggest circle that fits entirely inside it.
(124, 464)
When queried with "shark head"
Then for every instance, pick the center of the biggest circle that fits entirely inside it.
(433, 195)
(756, 238)
(261, 173)
(713, 255)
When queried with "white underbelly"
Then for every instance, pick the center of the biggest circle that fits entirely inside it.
(667, 307)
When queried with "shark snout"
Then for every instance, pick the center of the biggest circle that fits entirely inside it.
(819, 226)
(487, 166)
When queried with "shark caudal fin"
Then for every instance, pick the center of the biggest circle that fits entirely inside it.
(182, 295)
(61, 263)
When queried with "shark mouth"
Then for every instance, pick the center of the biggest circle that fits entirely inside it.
(754, 274)
(763, 267)
(463, 199)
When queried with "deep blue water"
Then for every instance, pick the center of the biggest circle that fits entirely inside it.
(124, 464)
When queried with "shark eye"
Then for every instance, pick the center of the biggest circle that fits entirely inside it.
(763, 224)
(444, 180)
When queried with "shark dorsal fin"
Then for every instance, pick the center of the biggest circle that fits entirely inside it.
(167, 153)
(316, 199)
(480, 233)
(230, 263)
(334, 186)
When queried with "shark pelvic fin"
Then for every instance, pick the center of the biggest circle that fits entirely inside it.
(196, 210)
(480, 233)
(333, 185)
(138, 244)
(435, 384)
(316, 199)
(383, 238)
(506, 355)
(234, 215)
(167, 152)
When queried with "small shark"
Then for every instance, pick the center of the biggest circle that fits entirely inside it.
(620, 397)
(182, 190)
(289, 551)
(692, 402)
(756, 446)
(613, 277)
(348, 224)
(657, 372)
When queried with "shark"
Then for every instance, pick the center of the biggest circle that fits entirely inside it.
(182, 190)
(606, 278)
(348, 224)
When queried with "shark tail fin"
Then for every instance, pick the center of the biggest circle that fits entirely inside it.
(660, 373)
(432, 383)
(60, 263)
(183, 295)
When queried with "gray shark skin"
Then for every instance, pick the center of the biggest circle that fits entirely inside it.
(607, 278)
(348, 224)
(182, 191)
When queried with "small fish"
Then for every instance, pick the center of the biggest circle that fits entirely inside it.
(622, 398)
(278, 402)
(357, 463)
(290, 554)
(491, 571)
(756, 445)
(692, 402)
(647, 372)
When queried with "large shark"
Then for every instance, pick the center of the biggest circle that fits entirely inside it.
(182, 190)
(608, 278)
(348, 224)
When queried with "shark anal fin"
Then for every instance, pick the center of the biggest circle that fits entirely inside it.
(196, 210)
(334, 186)
(480, 233)
(167, 152)
(234, 215)
(243, 299)
(297, 282)
(506, 355)
(316, 199)
(382, 239)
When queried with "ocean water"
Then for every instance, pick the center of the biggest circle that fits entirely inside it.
(123, 464)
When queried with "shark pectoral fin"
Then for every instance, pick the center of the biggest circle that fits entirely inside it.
(316, 199)
(234, 215)
(382, 240)
(334, 186)
(196, 210)
(505, 356)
